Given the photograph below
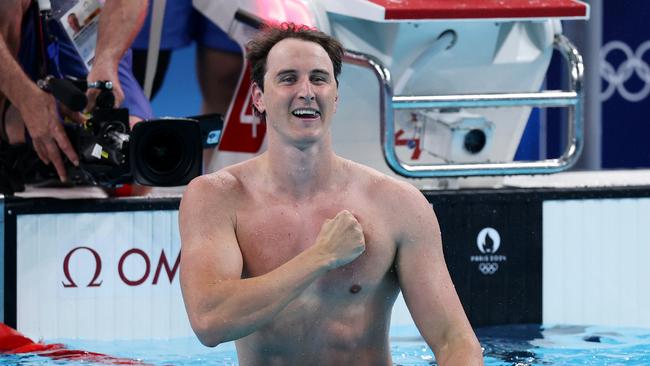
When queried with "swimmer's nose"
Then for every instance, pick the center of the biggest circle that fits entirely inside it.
(306, 91)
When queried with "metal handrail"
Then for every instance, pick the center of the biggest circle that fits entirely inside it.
(572, 99)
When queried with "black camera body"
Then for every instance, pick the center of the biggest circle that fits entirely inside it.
(163, 152)
(166, 152)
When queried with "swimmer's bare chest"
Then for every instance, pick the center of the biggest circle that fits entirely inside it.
(346, 309)
(271, 231)
(271, 234)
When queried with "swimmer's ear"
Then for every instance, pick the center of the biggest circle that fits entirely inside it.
(258, 101)
(336, 102)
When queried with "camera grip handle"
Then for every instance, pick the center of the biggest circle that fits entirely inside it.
(67, 93)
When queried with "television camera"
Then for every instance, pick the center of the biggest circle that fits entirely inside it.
(162, 152)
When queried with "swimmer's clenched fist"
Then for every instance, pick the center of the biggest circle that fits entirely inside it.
(341, 239)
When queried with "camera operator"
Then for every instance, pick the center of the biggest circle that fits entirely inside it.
(26, 56)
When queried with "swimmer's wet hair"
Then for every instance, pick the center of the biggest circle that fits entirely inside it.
(259, 47)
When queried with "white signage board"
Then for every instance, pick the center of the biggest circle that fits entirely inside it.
(100, 276)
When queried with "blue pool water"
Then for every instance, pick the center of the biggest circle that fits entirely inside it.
(520, 345)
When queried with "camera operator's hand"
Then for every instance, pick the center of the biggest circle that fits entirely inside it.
(104, 70)
(48, 136)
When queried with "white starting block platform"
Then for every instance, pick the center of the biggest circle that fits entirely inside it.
(429, 88)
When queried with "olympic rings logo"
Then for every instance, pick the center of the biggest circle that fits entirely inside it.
(488, 268)
(633, 64)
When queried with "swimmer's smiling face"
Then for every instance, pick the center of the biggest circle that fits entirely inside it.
(300, 92)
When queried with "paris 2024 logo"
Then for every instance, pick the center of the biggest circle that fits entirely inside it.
(488, 242)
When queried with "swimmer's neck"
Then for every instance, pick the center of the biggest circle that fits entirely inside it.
(300, 173)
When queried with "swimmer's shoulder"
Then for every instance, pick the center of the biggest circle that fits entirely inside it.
(384, 188)
(373, 180)
(224, 185)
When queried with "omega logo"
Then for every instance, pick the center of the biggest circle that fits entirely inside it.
(96, 282)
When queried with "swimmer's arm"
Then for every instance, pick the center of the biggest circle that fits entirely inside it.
(427, 287)
(222, 306)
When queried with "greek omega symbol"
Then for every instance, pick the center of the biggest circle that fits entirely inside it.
(66, 268)
(616, 78)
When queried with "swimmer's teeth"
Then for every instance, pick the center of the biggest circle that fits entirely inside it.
(305, 113)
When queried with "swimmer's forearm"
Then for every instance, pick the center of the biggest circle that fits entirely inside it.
(237, 308)
(461, 351)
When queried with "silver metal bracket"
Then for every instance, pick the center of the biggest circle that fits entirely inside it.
(571, 99)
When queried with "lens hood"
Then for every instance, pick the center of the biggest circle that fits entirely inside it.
(166, 152)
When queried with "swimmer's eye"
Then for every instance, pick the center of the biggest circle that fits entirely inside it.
(287, 79)
(319, 78)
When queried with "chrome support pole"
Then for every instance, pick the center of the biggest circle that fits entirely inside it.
(571, 99)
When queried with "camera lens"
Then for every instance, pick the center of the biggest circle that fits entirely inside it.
(163, 152)
(475, 141)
